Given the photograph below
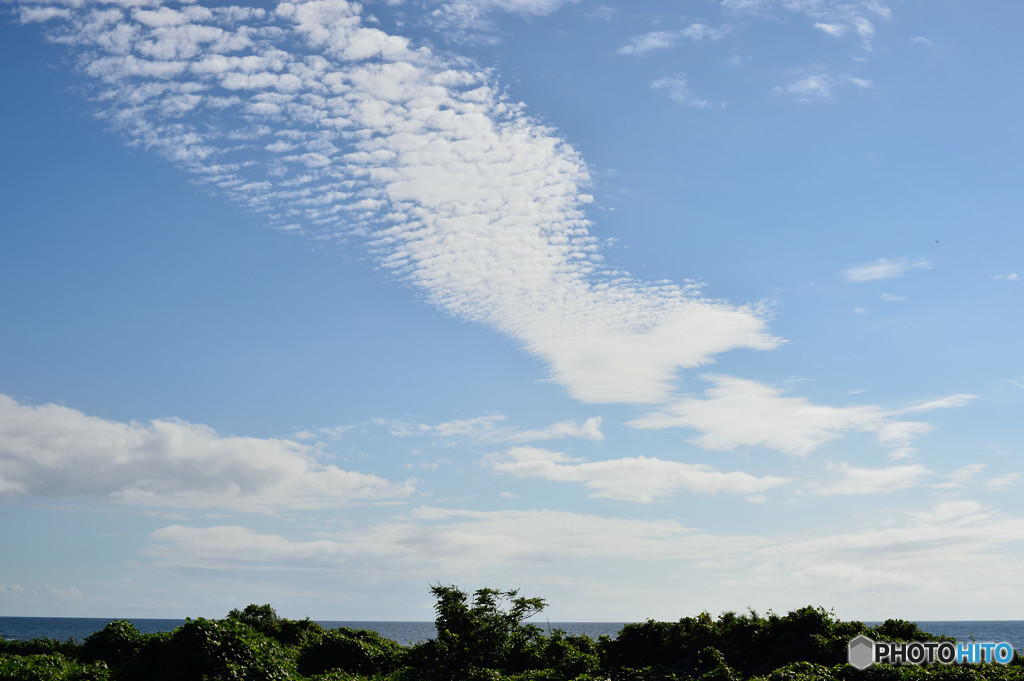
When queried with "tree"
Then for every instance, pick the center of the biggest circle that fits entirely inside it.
(487, 633)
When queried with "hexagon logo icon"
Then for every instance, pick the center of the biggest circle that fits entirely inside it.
(862, 652)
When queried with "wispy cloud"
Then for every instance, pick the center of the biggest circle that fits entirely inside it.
(470, 19)
(679, 91)
(433, 541)
(816, 87)
(491, 428)
(837, 18)
(637, 479)
(870, 481)
(338, 131)
(962, 476)
(648, 42)
(884, 268)
(1012, 276)
(52, 451)
(953, 543)
(738, 412)
(835, 30)
(660, 40)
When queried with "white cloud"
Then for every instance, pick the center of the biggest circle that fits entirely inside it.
(1013, 276)
(892, 298)
(884, 268)
(949, 402)
(738, 412)
(867, 481)
(834, 17)
(29, 15)
(660, 40)
(637, 479)
(655, 40)
(835, 30)
(53, 451)
(431, 541)
(951, 544)
(1003, 482)
(921, 40)
(453, 188)
(860, 82)
(962, 476)
(679, 91)
(468, 20)
(816, 87)
(698, 32)
(488, 428)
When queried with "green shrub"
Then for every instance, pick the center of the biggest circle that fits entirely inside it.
(52, 667)
(117, 644)
(351, 650)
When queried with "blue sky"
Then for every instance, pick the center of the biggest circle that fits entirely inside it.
(643, 308)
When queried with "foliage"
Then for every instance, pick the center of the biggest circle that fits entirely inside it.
(117, 644)
(351, 650)
(209, 650)
(483, 638)
(478, 637)
(51, 667)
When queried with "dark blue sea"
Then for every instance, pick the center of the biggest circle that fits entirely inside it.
(407, 633)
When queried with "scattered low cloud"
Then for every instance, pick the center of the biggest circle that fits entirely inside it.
(742, 413)
(892, 298)
(338, 131)
(52, 451)
(884, 268)
(1012, 276)
(637, 479)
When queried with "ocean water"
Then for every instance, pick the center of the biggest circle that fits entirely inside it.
(407, 633)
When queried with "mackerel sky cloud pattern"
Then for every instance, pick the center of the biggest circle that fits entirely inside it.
(339, 131)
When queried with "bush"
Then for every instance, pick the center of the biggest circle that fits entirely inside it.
(212, 650)
(351, 650)
(52, 667)
(117, 644)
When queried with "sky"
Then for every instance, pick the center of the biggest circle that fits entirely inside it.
(646, 309)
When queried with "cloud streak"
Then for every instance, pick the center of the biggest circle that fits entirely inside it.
(637, 479)
(338, 131)
(884, 268)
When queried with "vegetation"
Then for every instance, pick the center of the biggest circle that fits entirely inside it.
(483, 637)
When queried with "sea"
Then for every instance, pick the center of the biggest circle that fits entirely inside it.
(409, 633)
(406, 633)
